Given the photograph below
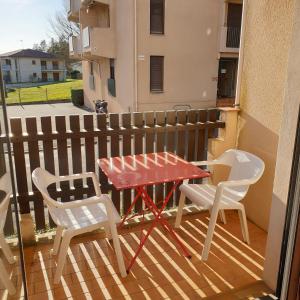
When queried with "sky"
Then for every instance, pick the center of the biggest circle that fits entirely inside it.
(25, 22)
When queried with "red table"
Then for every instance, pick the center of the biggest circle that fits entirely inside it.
(138, 171)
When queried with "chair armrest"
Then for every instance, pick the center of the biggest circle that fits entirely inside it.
(84, 202)
(230, 183)
(204, 163)
(81, 176)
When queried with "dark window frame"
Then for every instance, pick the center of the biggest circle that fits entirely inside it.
(91, 68)
(33, 62)
(8, 62)
(112, 68)
(154, 82)
(55, 64)
(153, 25)
(34, 75)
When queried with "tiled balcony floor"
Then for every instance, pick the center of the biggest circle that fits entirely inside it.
(160, 272)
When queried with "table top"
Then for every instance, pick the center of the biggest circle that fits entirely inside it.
(147, 169)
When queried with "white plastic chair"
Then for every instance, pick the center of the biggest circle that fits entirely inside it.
(77, 217)
(246, 169)
(5, 186)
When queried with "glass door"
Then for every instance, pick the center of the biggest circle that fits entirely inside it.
(12, 271)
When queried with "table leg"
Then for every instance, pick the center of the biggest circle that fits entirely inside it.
(130, 208)
(157, 213)
(158, 219)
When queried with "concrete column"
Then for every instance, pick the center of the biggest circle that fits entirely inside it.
(227, 140)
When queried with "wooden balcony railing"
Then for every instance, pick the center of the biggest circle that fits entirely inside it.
(65, 145)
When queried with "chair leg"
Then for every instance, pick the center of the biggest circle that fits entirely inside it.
(117, 246)
(223, 216)
(210, 232)
(62, 256)
(6, 250)
(107, 232)
(180, 210)
(4, 277)
(244, 225)
(57, 239)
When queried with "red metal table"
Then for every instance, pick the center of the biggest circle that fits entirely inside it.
(139, 171)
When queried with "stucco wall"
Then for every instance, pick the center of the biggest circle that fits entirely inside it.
(284, 155)
(91, 95)
(268, 29)
(190, 46)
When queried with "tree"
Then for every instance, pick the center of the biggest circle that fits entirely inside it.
(42, 46)
(61, 27)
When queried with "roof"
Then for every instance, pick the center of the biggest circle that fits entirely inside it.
(28, 53)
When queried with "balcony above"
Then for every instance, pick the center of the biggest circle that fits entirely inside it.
(98, 42)
(73, 10)
(230, 39)
(75, 47)
(85, 3)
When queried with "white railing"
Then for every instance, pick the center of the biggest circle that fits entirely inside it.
(75, 46)
(230, 39)
(71, 44)
(6, 67)
(86, 41)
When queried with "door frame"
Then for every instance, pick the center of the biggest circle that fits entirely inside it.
(290, 247)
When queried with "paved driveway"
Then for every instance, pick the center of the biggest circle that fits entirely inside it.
(47, 109)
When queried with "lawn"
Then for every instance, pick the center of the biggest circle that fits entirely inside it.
(47, 92)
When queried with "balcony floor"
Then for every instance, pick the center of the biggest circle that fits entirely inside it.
(160, 272)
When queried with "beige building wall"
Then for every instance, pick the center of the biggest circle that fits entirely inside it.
(190, 46)
(105, 16)
(268, 31)
(92, 94)
(285, 152)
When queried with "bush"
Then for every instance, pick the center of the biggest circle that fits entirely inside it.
(74, 74)
(77, 97)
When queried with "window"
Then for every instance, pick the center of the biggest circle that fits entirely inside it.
(91, 68)
(34, 75)
(44, 65)
(156, 73)
(157, 16)
(55, 65)
(33, 62)
(8, 62)
(112, 68)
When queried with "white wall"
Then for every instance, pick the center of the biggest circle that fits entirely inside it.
(27, 68)
(284, 156)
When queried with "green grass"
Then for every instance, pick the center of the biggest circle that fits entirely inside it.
(55, 91)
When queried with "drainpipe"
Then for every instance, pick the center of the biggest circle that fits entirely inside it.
(241, 55)
(135, 59)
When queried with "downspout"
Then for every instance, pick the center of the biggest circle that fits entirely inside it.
(135, 58)
(241, 56)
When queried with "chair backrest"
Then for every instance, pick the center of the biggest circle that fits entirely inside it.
(244, 165)
(42, 179)
(5, 186)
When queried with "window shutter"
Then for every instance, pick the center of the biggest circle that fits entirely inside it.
(157, 16)
(156, 73)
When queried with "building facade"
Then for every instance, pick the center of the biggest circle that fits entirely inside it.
(156, 54)
(29, 65)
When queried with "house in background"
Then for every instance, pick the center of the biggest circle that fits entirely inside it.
(157, 54)
(29, 65)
